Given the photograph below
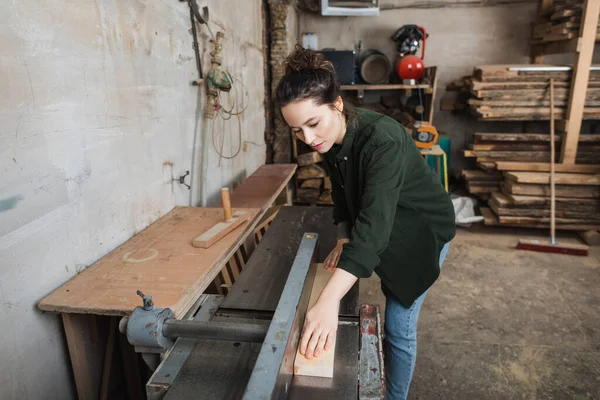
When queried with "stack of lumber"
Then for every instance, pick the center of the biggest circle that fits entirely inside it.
(522, 92)
(513, 175)
(481, 183)
(313, 186)
(524, 201)
(489, 148)
(560, 21)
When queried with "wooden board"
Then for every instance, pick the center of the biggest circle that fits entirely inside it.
(160, 261)
(312, 183)
(309, 158)
(545, 167)
(581, 76)
(260, 189)
(501, 210)
(580, 192)
(592, 238)
(560, 178)
(491, 219)
(528, 137)
(562, 203)
(218, 231)
(479, 175)
(321, 366)
(311, 171)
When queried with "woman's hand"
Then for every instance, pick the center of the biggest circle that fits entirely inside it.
(320, 327)
(334, 256)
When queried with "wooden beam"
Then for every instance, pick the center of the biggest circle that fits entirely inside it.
(579, 82)
(545, 167)
(561, 179)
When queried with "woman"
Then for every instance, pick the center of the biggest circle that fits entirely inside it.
(392, 213)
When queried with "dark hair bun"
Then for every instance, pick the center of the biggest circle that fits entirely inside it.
(306, 59)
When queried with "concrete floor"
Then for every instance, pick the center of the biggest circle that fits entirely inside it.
(502, 323)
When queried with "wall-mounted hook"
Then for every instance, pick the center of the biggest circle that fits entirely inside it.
(203, 19)
(182, 179)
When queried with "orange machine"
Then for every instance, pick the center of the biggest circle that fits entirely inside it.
(425, 135)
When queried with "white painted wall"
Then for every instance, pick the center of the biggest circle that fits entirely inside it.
(94, 98)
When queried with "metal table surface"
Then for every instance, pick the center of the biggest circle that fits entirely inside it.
(260, 284)
(220, 370)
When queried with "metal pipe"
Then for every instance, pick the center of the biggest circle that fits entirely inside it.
(214, 330)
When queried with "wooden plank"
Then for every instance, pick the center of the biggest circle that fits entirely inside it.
(308, 195)
(159, 261)
(321, 366)
(581, 73)
(86, 353)
(489, 218)
(592, 205)
(560, 178)
(483, 188)
(526, 103)
(312, 183)
(479, 175)
(309, 158)
(327, 184)
(260, 189)
(325, 198)
(582, 192)
(383, 87)
(131, 367)
(545, 167)
(310, 172)
(546, 220)
(537, 212)
(108, 358)
(592, 238)
(220, 230)
(527, 137)
(518, 146)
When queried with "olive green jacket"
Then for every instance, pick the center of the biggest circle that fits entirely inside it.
(399, 212)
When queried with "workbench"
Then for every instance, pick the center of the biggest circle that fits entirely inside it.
(159, 260)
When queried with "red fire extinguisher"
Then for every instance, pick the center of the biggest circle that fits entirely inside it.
(410, 67)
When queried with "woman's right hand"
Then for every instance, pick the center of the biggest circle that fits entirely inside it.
(332, 259)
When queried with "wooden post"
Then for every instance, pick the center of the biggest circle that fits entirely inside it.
(579, 80)
(226, 204)
(552, 155)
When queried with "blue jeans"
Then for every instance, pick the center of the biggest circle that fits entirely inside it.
(401, 342)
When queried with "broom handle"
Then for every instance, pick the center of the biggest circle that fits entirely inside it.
(552, 189)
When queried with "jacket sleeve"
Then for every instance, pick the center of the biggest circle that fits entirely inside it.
(384, 176)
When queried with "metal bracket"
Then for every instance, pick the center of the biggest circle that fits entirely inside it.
(182, 180)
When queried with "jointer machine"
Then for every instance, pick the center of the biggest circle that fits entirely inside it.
(243, 345)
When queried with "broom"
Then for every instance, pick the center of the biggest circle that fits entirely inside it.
(552, 247)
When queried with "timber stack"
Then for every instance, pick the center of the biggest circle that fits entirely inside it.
(514, 178)
(524, 201)
(559, 21)
(521, 92)
(313, 186)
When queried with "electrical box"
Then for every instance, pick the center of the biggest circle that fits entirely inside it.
(355, 8)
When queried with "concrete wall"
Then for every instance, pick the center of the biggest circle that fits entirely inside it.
(459, 39)
(95, 99)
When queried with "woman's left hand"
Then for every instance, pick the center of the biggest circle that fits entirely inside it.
(320, 327)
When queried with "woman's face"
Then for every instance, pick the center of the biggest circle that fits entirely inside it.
(320, 127)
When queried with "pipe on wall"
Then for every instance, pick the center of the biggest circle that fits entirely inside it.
(199, 170)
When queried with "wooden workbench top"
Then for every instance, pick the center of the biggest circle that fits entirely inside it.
(160, 261)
